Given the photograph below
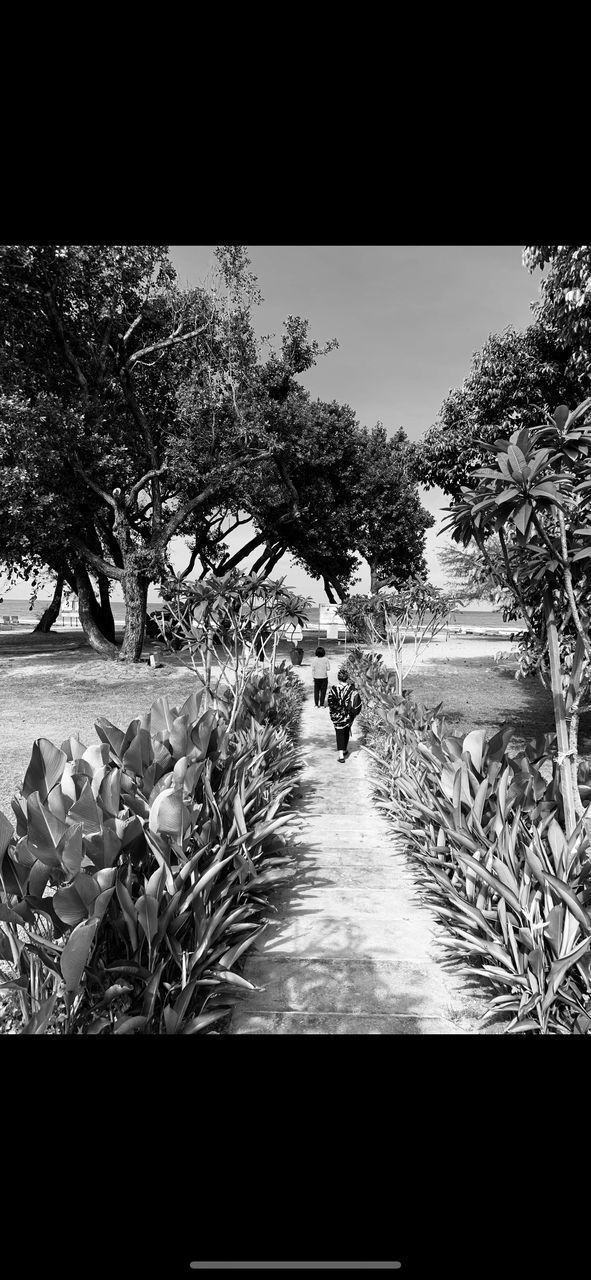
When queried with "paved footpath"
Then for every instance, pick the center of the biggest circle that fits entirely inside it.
(351, 949)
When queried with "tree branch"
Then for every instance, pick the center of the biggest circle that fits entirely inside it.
(510, 577)
(290, 486)
(191, 564)
(164, 535)
(69, 354)
(106, 497)
(102, 350)
(175, 338)
(133, 325)
(272, 561)
(142, 422)
(109, 538)
(231, 561)
(568, 582)
(328, 589)
(223, 533)
(95, 561)
(137, 488)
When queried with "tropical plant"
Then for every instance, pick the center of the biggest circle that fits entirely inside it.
(227, 627)
(413, 612)
(513, 381)
(139, 872)
(540, 488)
(484, 822)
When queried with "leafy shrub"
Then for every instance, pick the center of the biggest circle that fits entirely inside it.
(289, 694)
(230, 624)
(139, 872)
(485, 822)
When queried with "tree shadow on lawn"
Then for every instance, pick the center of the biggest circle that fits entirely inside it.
(479, 693)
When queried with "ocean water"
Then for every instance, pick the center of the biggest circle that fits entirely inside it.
(460, 617)
(25, 613)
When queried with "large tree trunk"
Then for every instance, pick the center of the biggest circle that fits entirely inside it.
(106, 620)
(135, 591)
(92, 631)
(48, 618)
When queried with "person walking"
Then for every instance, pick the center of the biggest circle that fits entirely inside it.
(344, 704)
(320, 670)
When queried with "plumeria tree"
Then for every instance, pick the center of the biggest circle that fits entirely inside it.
(412, 613)
(536, 499)
(228, 628)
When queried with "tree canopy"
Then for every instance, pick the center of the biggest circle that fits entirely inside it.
(132, 411)
(517, 377)
(564, 307)
(101, 338)
(513, 381)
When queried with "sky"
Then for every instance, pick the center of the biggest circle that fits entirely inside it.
(408, 319)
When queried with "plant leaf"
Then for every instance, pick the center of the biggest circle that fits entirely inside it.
(75, 953)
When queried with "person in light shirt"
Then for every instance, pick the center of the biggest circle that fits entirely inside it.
(320, 670)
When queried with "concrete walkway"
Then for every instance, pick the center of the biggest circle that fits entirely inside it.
(351, 949)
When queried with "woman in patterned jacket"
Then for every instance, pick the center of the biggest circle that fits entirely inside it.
(344, 704)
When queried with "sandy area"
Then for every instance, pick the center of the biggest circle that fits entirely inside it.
(453, 648)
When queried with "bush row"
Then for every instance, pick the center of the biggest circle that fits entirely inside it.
(141, 866)
(483, 818)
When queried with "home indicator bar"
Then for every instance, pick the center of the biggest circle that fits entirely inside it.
(296, 1266)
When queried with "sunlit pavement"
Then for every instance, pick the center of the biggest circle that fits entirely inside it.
(351, 949)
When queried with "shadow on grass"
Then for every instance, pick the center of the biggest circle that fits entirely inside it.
(479, 693)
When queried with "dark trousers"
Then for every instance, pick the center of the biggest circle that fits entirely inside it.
(343, 737)
(320, 687)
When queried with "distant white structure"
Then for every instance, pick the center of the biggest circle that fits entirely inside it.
(330, 618)
(69, 611)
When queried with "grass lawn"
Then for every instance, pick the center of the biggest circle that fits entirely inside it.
(53, 686)
(58, 691)
(480, 693)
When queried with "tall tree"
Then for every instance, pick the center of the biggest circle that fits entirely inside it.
(105, 339)
(517, 377)
(340, 491)
(513, 381)
(564, 308)
(388, 507)
(133, 411)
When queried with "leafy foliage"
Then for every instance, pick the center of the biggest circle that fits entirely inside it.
(471, 576)
(485, 824)
(414, 612)
(161, 409)
(540, 489)
(564, 308)
(514, 380)
(139, 872)
(133, 411)
(227, 626)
